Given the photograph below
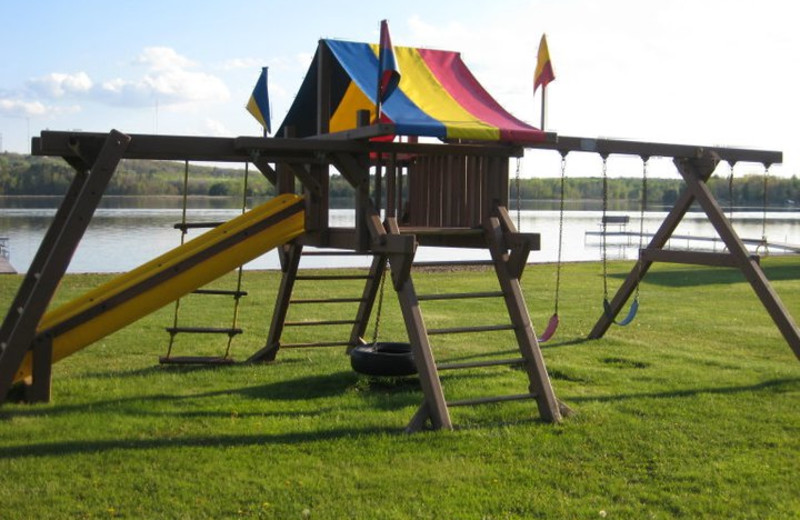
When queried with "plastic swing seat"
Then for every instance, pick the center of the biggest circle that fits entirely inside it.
(550, 330)
(625, 321)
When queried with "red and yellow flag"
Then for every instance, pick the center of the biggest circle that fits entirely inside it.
(544, 68)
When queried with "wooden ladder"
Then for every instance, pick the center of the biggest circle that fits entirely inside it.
(290, 265)
(509, 251)
(230, 332)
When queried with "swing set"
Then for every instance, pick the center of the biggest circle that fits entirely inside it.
(456, 196)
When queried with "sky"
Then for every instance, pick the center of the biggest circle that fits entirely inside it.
(706, 72)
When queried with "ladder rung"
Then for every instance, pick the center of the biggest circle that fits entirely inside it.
(336, 253)
(317, 323)
(196, 225)
(460, 330)
(316, 344)
(327, 300)
(487, 400)
(479, 364)
(221, 292)
(333, 277)
(454, 263)
(204, 330)
(195, 360)
(459, 296)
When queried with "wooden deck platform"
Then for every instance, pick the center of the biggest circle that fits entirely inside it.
(6, 267)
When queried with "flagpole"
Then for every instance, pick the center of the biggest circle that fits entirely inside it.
(264, 70)
(544, 90)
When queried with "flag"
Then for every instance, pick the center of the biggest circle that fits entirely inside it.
(259, 102)
(544, 68)
(389, 73)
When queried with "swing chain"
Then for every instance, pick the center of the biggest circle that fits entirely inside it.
(730, 191)
(560, 227)
(642, 208)
(764, 208)
(604, 224)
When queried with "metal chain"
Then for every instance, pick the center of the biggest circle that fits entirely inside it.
(764, 207)
(642, 209)
(730, 192)
(560, 228)
(604, 225)
(379, 311)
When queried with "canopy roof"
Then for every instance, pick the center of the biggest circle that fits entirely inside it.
(437, 97)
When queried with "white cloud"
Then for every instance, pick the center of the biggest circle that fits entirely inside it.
(57, 84)
(163, 58)
(242, 63)
(19, 108)
(216, 128)
(169, 81)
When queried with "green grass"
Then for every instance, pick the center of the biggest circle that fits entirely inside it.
(689, 412)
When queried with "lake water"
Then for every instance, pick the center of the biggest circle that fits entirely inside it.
(126, 232)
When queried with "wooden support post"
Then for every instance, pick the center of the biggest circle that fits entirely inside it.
(38, 391)
(290, 265)
(355, 168)
(391, 187)
(434, 407)
(695, 181)
(696, 172)
(53, 257)
(539, 381)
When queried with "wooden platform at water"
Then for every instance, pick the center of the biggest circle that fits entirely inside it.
(6, 267)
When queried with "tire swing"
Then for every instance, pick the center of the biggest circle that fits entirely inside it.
(383, 359)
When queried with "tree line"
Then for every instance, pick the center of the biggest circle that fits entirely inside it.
(31, 175)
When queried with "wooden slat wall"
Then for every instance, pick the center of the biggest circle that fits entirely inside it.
(456, 191)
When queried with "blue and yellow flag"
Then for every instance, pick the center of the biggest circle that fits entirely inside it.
(259, 102)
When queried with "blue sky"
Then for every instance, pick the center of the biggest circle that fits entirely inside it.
(710, 72)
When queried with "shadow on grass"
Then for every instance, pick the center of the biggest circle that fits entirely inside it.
(176, 369)
(299, 389)
(210, 441)
(773, 385)
(711, 276)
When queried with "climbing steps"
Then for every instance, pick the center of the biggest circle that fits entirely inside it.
(309, 309)
(472, 328)
(176, 328)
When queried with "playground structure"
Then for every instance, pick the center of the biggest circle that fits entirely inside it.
(457, 197)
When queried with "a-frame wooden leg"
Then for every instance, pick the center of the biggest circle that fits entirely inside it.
(290, 263)
(434, 407)
(55, 252)
(659, 240)
(539, 381)
(749, 266)
(696, 172)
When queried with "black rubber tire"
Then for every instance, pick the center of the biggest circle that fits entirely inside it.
(383, 360)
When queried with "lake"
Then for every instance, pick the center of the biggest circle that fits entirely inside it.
(128, 231)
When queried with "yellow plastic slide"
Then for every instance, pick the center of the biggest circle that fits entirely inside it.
(137, 293)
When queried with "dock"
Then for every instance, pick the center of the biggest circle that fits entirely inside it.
(5, 263)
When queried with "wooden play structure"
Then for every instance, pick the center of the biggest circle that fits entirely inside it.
(457, 196)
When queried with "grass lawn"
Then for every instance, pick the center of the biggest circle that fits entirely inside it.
(692, 411)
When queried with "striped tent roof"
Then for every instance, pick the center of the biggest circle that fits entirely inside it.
(437, 97)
